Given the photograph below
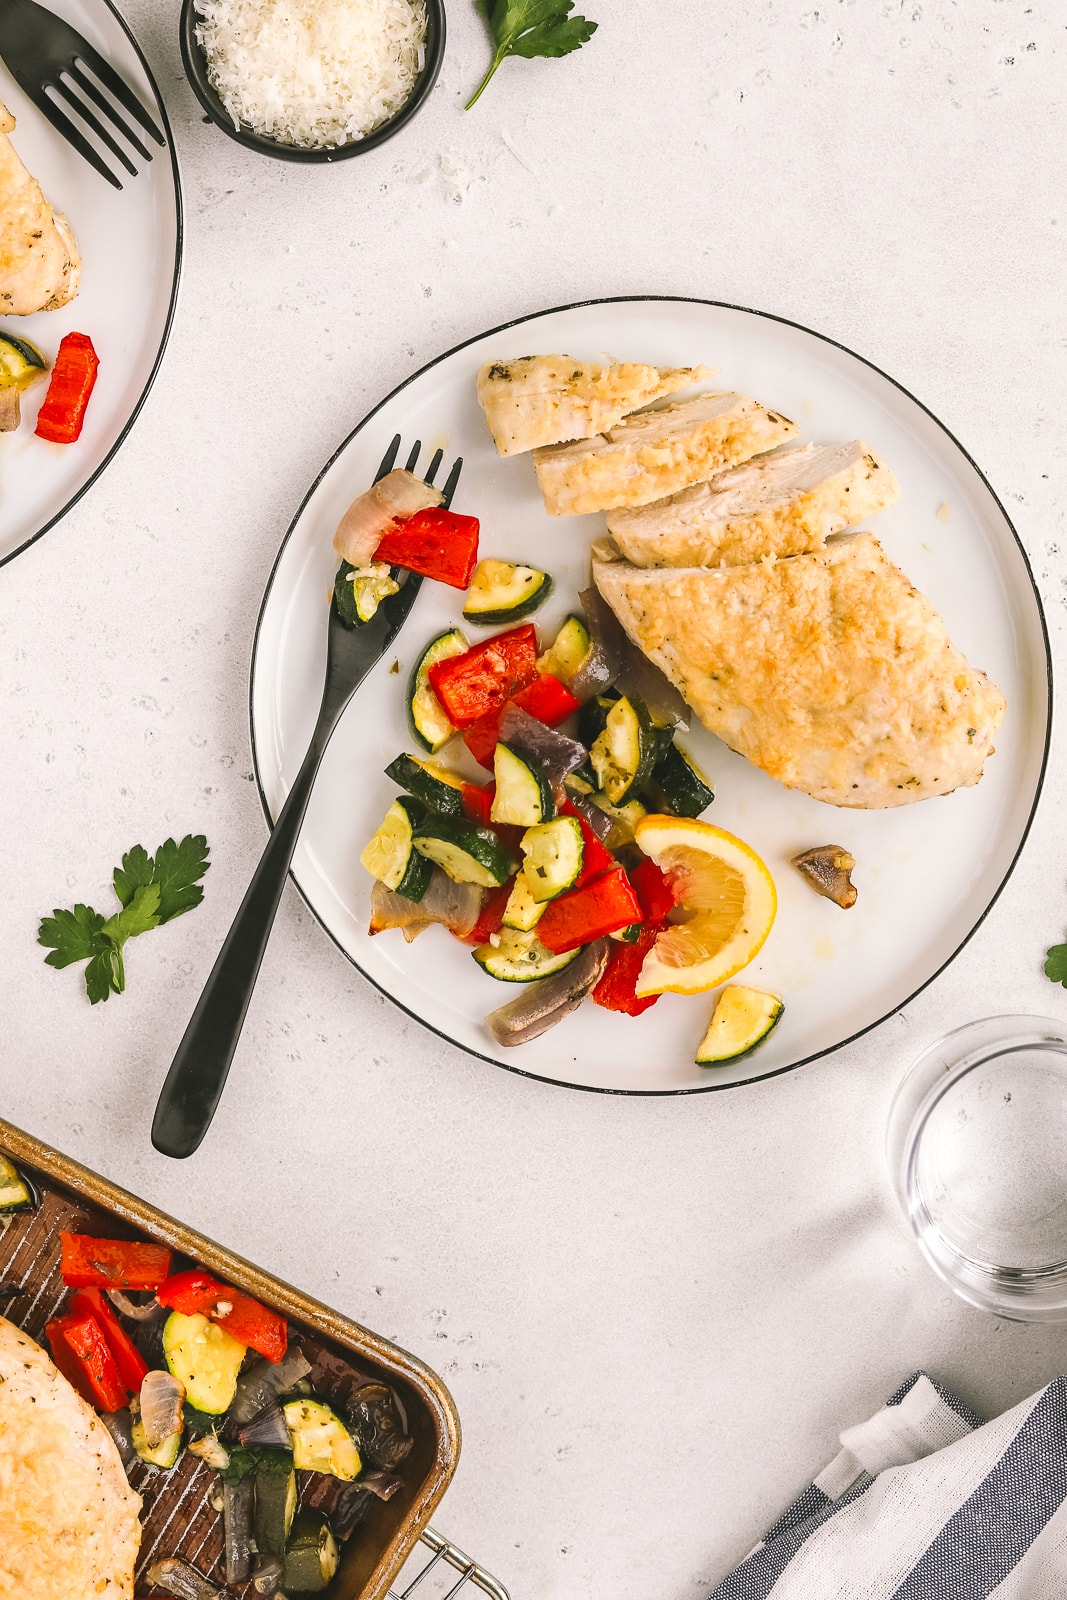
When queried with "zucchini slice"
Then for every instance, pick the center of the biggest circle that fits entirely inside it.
(678, 786)
(429, 782)
(391, 856)
(312, 1555)
(625, 752)
(520, 958)
(523, 794)
(567, 651)
(20, 362)
(624, 818)
(427, 716)
(15, 1192)
(467, 853)
(553, 852)
(502, 592)
(205, 1358)
(592, 718)
(275, 1500)
(321, 1442)
(164, 1454)
(743, 1018)
(522, 911)
(359, 591)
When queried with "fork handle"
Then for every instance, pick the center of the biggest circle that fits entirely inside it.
(197, 1076)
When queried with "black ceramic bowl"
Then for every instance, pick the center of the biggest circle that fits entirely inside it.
(195, 64)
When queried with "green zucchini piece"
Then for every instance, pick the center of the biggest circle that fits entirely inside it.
(628, 935)
(164, 1454)
(275, 1500)
(523, 794)
(359, 591)
(567, 651)
(312, 1556)
(678, 786)
(426, 715)
(520, 958)
(20, 362)
(15, 1192)
(553, 854)
(743, 1018)
(625, 819)
(391, 857)
(522, 911)
(321, 1442)
(429, 782)
(467, 853)
(502, 592)
(593, 717)
(583, 781)
(205, 1358)
(625, 752)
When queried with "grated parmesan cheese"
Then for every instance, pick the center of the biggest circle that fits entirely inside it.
(312, 73)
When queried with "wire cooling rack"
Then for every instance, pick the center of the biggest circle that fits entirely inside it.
(435, 1578)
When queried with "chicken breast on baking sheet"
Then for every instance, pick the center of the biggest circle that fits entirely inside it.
(39, 261)
(69, 1527)
(657, 453)
(781, 504)
(538, 400)
(830, 671)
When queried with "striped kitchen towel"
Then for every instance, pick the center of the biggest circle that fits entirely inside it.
(927, 1502)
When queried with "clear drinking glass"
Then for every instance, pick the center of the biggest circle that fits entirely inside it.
(977, 1149)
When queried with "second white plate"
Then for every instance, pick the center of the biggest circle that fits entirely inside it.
(927, 874)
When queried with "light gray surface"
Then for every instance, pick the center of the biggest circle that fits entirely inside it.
(653, 1315)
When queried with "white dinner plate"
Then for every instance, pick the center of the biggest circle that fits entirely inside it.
(130, 244)
(927, 873)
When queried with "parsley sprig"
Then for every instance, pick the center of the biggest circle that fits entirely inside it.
(531, 28)
(1056, 964)
(150, 890)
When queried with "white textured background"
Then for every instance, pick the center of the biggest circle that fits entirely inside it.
(653, 1314)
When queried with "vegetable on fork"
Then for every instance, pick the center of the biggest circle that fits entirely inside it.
(531, 28)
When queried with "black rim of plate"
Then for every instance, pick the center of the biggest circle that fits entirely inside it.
(179, 227)
(768, 316)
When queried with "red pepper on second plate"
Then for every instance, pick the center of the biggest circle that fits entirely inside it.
(73, 375)
(486, 675)
(131, 1364)
(606, 905)
(89, 1263)
(615, 990)
(81, 1353)
(244, 1319)
(438, 543)
(546, 698)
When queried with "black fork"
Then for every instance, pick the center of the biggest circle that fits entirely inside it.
(198, 1072)
(48, 60)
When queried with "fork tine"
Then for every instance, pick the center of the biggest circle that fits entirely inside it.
(63, 125)
(93, 122)
(451, 481)
(89, 87)
(388, 459)
(116, 86)
(413, 454)
(431, 471)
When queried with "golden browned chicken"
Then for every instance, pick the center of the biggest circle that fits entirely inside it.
(39, 261)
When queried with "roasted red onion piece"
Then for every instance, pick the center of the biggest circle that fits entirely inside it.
(352, 1509)
(598, 820)
(543, 1004)
(266, 1427)
(162, 1397)
(382, 1484)
(607, 638)
(151, 1311)
(553, 751)
(634, 673)
(265, 1380)
(237, 1529)
(181, 1580)
(377, 1426)
(398, 494)
(826, 869)
(267, 1575)
(120, 1426)
(454, 905)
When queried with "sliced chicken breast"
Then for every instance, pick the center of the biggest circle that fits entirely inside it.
(781, 504)
(657, 453)
(39, 261)
(828, 670)
(539, 400)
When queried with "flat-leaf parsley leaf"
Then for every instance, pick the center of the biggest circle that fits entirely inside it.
(531, 28)
(1056, 964)
(150, 891)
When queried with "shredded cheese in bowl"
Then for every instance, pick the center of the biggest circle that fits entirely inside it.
(314, 74)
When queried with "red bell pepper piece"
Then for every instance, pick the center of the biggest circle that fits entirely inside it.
(131, 1364)
(596, 857)
(545, 698)
(478, 802)
(604, 906)
(81, 1353)
(654, 890)
(438, 543)
(245, 1319)
(486, 675)
(615, 990)
(73, 375)
(89, 1263)
(490, 918)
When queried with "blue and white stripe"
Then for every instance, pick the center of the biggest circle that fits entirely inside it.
(925, 1502)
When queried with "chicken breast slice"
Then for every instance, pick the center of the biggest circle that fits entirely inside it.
(657, 453)
(39, 262)
(828, 670)
(781, 504)
(539, 400)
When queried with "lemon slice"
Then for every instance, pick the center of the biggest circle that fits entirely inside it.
(727, 903)
(742, 1019)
